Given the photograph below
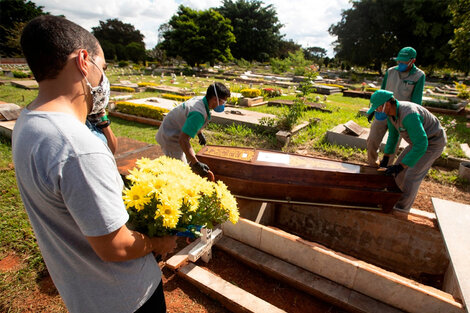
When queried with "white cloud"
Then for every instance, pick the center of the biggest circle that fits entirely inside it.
(305, 21)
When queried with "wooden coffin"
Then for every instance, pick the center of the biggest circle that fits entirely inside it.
(276, 176)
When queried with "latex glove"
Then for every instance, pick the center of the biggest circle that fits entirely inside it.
(200, 168)
(384, 161)
(202, 139)
(370, 117)
(394, 170)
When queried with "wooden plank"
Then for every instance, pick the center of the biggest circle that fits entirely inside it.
(454, 221)
(231, 296)
(299, 278)
(180, 258)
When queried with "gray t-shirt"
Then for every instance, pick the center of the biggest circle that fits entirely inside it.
(71, 188)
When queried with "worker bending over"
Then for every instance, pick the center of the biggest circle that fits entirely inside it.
(406, 81)
(186, 121)
(424, 134)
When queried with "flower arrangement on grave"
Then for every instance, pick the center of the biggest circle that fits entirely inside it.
(250, 92)
(164, 197)
(272, 92)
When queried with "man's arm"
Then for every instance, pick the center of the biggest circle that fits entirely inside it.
(417, 95)
(111, 138)
(125, 244)
(184, 141)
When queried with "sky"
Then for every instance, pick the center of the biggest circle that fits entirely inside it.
(306, 22)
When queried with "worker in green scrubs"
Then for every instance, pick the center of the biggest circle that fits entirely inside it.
(406, 81)
(424, 134)
(186, 121)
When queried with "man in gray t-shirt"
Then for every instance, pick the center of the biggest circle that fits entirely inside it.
(69, 182)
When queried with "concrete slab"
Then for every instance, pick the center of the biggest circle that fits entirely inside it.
(339, 136)
(231, 296)
(6, 128)
(172, 90)
(304, 280)
(25, 84)
(384, 286)
(239, 116)
(9, 111)
(157, 102)
(466, 149)
(454, 219)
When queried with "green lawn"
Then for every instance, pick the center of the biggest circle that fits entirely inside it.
(16, 234)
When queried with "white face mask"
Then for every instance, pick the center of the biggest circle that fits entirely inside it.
(99, 94)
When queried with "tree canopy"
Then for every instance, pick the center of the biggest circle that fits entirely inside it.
(14, 15)
(197, 36)
(373, 31)
(120, 40)
(460, 10)
(256, 29)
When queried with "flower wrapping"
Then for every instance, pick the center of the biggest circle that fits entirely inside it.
(164, 197)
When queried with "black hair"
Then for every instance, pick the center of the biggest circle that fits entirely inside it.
(393, 101)
(222, 91)
(47, 42)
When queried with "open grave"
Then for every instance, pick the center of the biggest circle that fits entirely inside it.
(354, 257)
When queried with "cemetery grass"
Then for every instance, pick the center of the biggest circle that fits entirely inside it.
(25, 285)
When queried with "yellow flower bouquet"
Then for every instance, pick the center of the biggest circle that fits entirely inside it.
(163, 196)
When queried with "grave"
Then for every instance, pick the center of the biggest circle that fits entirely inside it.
(357, 94)
(326, 90)
(340, 135)
(25, 84)
(9, 111)
(171, 89)
(251, 102)
(352, 258)
(157, 102)
(240, 116)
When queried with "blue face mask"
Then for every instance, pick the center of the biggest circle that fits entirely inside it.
(220, 108)
(402, 67)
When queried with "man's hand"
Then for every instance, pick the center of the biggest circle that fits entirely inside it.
(202, 139)
(370, 117)
(163, 245)
(384, 162)
(394, 170)
(200, 168)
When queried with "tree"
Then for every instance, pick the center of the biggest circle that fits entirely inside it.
(198, 36)
(115, 36)
(286, 46)
(373, 31)
(461, 41)
(316, 54)
(14, 15)
(135, 52)
(256, 29)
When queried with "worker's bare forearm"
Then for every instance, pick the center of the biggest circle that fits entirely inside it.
(121, 245)
(188, 150)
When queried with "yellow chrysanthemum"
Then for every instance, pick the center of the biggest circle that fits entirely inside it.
(137, 196)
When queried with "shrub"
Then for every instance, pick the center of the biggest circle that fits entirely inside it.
(123, 64)
(139, 109)
(122, 89)
(250, 93)
(175, 97)
(147, 84)
(464, 92)
(18, 74)
(233, 100)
